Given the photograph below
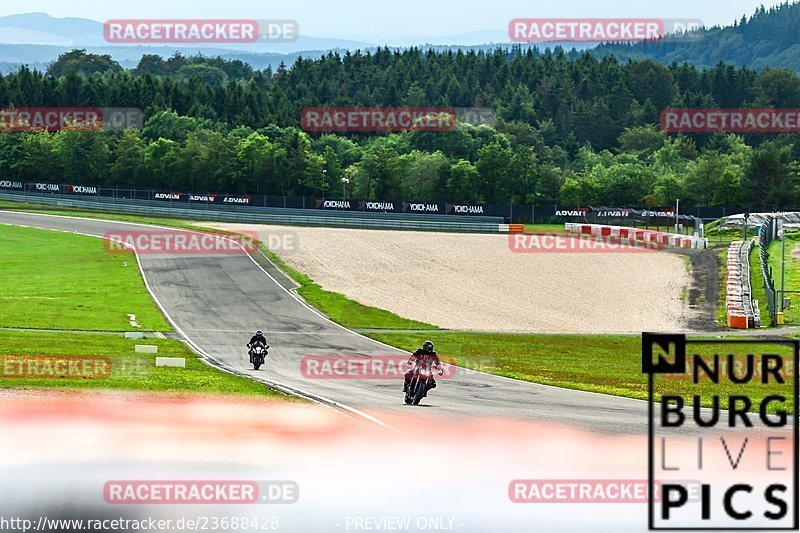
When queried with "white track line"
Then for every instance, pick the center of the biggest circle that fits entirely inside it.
(211, 360)
(296, 285)
(315, 311)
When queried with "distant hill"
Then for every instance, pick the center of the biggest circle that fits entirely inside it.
(39, 57)
(37, 39)
(769, 38)
(42, 29)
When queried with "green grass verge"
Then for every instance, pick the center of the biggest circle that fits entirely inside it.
(759, 294)
(341, 309)
(791, 282)
(337, 307)
(604, 364)
(609, 364)
(56, 280)
(545, 228)
(60, 280)
(723, 236)
(128, 371)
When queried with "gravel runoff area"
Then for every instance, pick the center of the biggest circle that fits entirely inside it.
(474, 282)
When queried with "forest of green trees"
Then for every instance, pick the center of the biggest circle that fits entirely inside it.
(768, 38)
(573, 130)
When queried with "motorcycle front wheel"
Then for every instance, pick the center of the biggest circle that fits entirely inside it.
(422, 388)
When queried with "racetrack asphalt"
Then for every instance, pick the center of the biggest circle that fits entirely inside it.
(216, 302)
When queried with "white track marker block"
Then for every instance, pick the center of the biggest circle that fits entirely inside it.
(176, 362)
(146, 348)
(134, 335)
(132, 320)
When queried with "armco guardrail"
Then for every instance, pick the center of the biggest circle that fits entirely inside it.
(630, 216)
(173, 198)
(635, 234)
(256, 215)
(741, 312)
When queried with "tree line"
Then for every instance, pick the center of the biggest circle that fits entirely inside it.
(767, 38)
(570, 129)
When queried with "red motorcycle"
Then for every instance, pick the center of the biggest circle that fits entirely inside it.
(421, 380)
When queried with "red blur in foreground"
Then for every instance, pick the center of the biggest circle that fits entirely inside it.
(363, 367)
(742, 120)
(180, 242)
(541, 243)
(64, 446)
(378, 119)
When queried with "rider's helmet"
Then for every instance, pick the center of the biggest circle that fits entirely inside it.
(259, 333)
(427, 346)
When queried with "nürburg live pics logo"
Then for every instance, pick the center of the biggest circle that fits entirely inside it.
(722, 413)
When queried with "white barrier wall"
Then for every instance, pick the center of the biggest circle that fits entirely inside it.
(738, 297)
(638, 234)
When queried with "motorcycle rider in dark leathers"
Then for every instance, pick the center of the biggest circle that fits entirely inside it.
(423, 355)
(258, 337)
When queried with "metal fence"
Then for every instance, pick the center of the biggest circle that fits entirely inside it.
(266, 216)
(766, 235)
(690, 217)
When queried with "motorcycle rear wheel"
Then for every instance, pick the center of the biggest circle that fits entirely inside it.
(410, 391)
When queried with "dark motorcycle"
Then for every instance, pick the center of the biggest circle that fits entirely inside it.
(258, 354)
(421, 380)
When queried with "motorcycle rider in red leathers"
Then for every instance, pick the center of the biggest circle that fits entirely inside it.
(423, 355)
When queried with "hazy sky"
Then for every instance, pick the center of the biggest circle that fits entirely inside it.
(375, 20)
